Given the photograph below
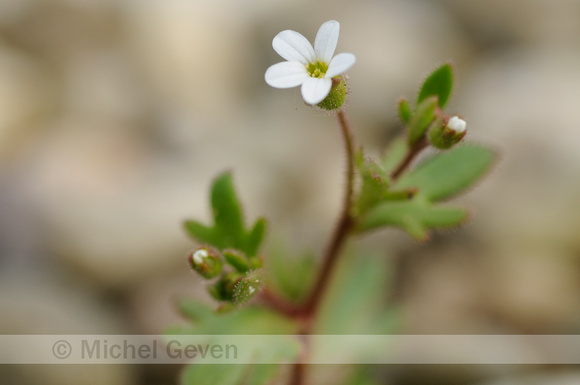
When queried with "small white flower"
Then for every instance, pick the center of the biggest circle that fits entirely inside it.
(312, 68)
(457, 124)
(199, 256)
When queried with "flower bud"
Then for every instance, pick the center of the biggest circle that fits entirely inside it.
(223, 289)
(336, 96)
(206, 261)
(248, 287)
(446, 135)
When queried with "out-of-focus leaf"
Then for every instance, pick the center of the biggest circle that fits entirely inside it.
(394, 154)
(227, 212)
(374, 186)
(422, 118)
(415, 217)
(216, 328)
(255, 236)
(439, 83)
(214, 374)
(202, 233)
(228, 230)
(404, 111)
(291, 276)
(356, 297)
(449, 173)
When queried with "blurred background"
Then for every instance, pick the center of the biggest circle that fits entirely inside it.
(116, 115)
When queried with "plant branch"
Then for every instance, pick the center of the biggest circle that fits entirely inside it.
(344, 225)
(411, 154)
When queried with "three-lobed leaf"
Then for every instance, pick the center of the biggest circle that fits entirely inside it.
(416, 217)
(447, 174)
(228, 230)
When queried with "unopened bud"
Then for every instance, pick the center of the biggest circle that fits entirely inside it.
(223, 289)
(446, 135)
(457, 124)
(248, 287)
(206, 261)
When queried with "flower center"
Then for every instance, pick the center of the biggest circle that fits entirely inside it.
(317, 69)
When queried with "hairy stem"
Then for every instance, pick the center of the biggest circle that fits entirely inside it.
(344, 225)
(337, 241)
(411, 154)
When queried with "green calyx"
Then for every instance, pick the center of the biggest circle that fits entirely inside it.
(317, 69)
(336, 96)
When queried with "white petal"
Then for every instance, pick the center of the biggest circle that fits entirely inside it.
(287, 74)
(340, 64)
(315, 90)
(292, 46)
(326, 39)
(457, 124)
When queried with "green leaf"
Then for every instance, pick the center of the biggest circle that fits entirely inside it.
(439, 83)
(247, 321)
(415, 217)
(228, 230)
(356, 297)
(422, 119)
(292, 276)
(214, 374)
(394, 154)
(202, 233)
(404, 111)
(449, 173)
(255, 237)
(375, 183)
(237, 259)
(227, 212)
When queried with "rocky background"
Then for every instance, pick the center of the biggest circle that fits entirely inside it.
(116, 115)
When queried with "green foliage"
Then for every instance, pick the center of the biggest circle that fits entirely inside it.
(440, 177)
(374, 186)
(422, 119)
(248, 287)
(290, 276)
(237, 259)
(404, 111)
(447, 174)
(416, 217)
(439, 83)
(356, 297)
(248, 321)
(396, 151)
(228, 230)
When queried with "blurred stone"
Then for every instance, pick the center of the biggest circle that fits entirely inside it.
(25, 99)
(112, 209)
(34, 303)
(530, 22)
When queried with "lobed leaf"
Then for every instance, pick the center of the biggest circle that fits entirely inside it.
(439, 83)
(416, 217)
(449, 173)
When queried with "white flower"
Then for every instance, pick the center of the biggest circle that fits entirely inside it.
(457, 124)
(312, 68)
